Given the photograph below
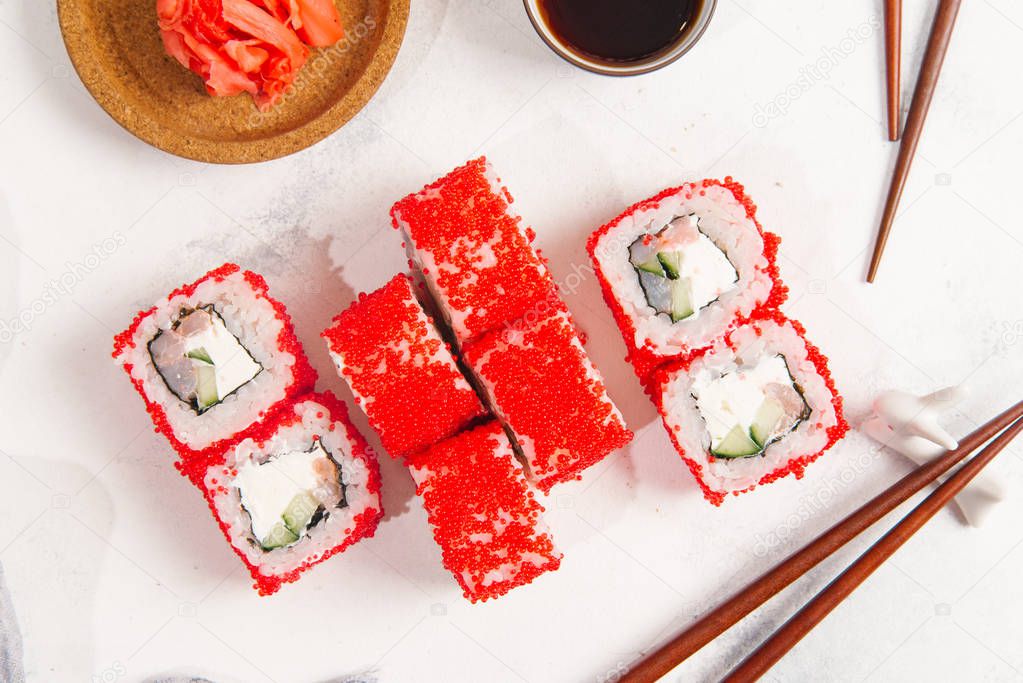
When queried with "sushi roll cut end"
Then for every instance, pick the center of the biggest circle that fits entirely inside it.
(760, 405)
(683, 268)
(750, 408)
(211, 360)
(300, 491)
(288, 493)
(199, 360)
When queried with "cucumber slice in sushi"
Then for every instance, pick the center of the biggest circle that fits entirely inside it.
(681, 300)
(644, 259)
(200, 354)
(736, 444)
(765, 424)
(280, 535)
(300, 512)
(206, 387)
(671, 261)
(652, 266)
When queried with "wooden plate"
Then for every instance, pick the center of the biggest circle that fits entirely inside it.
(116, 48)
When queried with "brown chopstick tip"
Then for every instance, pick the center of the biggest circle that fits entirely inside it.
(875, 261)
(934, 57)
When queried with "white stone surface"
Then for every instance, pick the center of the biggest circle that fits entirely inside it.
(117, 571)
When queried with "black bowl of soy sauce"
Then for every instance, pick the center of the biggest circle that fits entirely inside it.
(620, 37)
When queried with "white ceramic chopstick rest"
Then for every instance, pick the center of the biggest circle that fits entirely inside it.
(909, 425)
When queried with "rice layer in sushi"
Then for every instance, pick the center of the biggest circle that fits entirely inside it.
(472, 250)
(486, 520)
(545, 389)
(400, 369)
(211, 360)
(301, 490)
(680, 269)
(758, 406)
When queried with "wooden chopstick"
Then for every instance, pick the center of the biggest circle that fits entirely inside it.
(792, 631)
(893, 63)
(726, 615)
(937, 46)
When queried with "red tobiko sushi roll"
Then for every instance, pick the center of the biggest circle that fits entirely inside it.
(681, 269)
(301, 490)
(211, 360)
(473, 251)
(485, 518)
(401, 371)
(543, 386)
(759, 405)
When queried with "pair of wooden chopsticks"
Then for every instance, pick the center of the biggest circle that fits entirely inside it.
(934, 57)
(796, 565)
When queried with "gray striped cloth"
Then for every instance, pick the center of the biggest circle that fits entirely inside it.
(11, 668)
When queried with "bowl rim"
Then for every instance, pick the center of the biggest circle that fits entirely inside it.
(101, 82)
(636, 68)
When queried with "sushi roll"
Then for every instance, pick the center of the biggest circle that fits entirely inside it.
(485, 518)
(543, 386)
(758, 406)
(301, 490)
(472, 250)
(679, 270)
(400, 369)
(211, 360)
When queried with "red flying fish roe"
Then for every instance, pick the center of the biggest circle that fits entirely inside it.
(485, 518)
(472, 250)
(544, 387)
(796, 466)
(193, 462)
(644, 359)
(365, 522)
(400, 369)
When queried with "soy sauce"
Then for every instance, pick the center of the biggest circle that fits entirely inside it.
(619, 30)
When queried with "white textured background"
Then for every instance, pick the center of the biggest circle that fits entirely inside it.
(117, 571)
